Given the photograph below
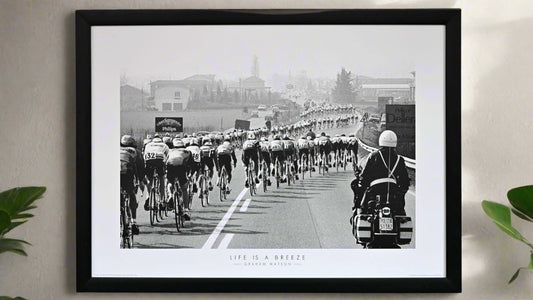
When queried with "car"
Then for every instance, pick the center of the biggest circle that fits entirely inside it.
(262, 107)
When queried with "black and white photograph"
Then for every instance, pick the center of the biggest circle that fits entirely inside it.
(269, 137)
(278, 148)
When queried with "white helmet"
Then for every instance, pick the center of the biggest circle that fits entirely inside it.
(251, 135)
(388, 139)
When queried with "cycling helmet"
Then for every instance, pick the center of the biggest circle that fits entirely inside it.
(167, 139)
(304, 137)
(309, 138)
(264, 139)
(206, 140)
(177, 143)
(167, 134)
(286, 137)
(343, 134)
(194, 141)
(323, 134)
(352, 135)
(149, 136)
(337, 135)
(251, 135)
(227, 138)
(157, 140)
(276, 137)
(156, 135)
(127, 141)
(388, 139)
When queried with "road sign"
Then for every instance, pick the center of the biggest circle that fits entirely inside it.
(401, 120)
(242, 124)
(168, 124)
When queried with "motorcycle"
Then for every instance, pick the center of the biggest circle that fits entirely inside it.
(379, 219)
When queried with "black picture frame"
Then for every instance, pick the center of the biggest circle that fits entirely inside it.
(450, 18)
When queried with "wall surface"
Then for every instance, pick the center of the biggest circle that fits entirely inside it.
(37, 121)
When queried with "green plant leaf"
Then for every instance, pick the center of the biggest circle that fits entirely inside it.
(9, 298)
(501, 215)
(5, 222)
(529, 267)
(521, 215)
(17, 200)
(14, 224)
(13, 245)
(521, 198)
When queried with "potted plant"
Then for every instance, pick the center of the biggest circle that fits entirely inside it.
(521, 199)
(14, 206)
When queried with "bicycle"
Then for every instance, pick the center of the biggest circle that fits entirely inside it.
(223, 183)
(203, 186)
(264, 172)
(154, 199)
(303, 165)
(178, 205)
(250, 177)
(126, 234)
(277, 169)
(288, 171)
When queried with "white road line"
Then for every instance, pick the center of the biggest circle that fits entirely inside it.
(244, 206)
(225, 241)
(214, 235)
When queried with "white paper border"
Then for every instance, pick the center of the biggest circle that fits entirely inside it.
(427, 260)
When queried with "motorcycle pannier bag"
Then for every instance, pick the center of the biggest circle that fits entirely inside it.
(405, 233)
(363, 228)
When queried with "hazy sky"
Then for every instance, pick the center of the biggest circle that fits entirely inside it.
(176, 52)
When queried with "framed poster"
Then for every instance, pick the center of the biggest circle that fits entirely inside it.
(248, 142)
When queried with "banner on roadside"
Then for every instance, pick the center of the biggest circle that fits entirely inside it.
(169, 124)
(242, 124)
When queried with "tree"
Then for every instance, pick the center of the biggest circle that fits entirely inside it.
(343, 91)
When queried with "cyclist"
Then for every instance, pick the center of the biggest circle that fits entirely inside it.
(291, 153)
(179, 163)
(265, 156)
(147, 140)
(207, 158)
(335, 147)
(251, 150)
(303, 147)
(168, 141)
(131, 170)
(324, 148)
(353, 146)
(224, 154)
(277, 150)
(155, 154)
(312, 152)
(194, 148)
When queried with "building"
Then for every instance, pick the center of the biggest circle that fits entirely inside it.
(132, 98)
(370, 89)
(170, 95)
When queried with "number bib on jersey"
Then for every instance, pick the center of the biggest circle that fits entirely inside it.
(276, 147)
(195, 151)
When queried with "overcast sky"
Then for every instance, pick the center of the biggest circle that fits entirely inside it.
(176, 52)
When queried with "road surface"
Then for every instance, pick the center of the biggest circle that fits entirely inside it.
(313, 213)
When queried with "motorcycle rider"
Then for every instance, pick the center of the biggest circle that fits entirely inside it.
(385, 172)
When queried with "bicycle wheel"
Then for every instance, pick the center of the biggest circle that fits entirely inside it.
(122, 226)
(288, 172)
(177, 210)
(264, 170)
(278, 168)
(337, 160)
(152, 207)
(250, 177)
(202, 186)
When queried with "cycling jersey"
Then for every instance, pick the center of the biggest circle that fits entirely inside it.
(207, 151)
(178, 157)
(155, 151)
(264, 146)
(303, 144)
(225, 149)
(195, 152)
(277, 145)
(127, 159)
(250, 144)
